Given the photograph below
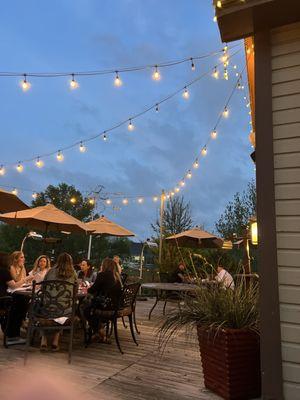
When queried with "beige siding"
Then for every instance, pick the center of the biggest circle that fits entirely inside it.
(286, 135)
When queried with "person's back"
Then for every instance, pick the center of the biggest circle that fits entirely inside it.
(224, 277)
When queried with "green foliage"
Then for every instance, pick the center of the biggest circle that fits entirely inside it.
(214, 308)
(233, 222)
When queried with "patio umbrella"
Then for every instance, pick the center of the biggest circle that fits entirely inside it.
(103, 226)
(10, 202)
(45, 218)
(196, 238)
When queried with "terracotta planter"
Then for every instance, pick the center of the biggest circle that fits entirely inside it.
(231, 363)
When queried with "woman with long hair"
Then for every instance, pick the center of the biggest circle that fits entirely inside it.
(62, 271)
(86, 272)
(40, 269)
(17, 266)
(104, 294)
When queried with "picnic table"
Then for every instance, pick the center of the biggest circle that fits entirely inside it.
(161, 289)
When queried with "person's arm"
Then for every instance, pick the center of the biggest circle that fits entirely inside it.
(98, 285)
(12, 284)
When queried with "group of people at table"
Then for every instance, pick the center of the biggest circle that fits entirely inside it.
(13, 276)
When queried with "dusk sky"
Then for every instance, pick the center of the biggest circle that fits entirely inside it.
(64, 35)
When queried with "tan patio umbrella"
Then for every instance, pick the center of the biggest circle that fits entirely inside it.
(10, 202)
(45, 218)
(103, 226)
(196, 238)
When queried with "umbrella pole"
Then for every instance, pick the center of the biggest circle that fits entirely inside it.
(161, 223)
(89, 248)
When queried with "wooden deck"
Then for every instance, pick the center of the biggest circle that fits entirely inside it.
(101, 372)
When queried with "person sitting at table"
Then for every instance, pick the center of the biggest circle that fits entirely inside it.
(17, 267)
(180, 275)
(86, 272)
(19, 306)
(122, 274)
(62, 271)
(224, 277)
(104, 295)
(40, 268)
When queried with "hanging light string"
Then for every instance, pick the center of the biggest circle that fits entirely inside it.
(104, 134)
(115, 70)
(126, 199)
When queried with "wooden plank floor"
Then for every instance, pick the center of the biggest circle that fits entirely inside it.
(101, 372)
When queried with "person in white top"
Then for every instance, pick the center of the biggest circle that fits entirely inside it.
(41, 266)
(224, 277)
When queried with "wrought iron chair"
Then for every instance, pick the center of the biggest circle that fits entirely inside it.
(5, 307)
(125, 308)
(51, 300)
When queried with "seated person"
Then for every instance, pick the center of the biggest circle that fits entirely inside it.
(180, 275)
(86, 272)
(123, 275)
(62, 271)
(105, 294)
(224, 277)
(40, 268)
(19, 306)
(17, 266)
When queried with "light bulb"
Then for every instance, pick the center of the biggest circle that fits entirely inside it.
(156, 75)
(185, 94)
(155, 198)
(2, 170)
(248, 51)
(196, 164)
(59, 156)
(125, 201)
(248, 105)
(193, 65)
(235, 66)
(39, 163)
(25, 85)
(225, 75)
(91, 201)
(177, 189)
(239, 86)
(215, 73)
(213, 134)
(140, 200)
(237, 74)
(224, 58)
(34, 195)
(215, 19)
(130, 126)
(156, 108)
(204, 151)
(219, 4)
(108, 201)
(182, 183)
(73, 200)
(225, 112)
(74, 84)
(20, 167)
(172, 194)
(104, 137)
(82, 148)
(118, 82)
(14, 191)
(189, 175)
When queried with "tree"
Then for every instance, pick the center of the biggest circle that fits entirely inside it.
(176, 217)
(237, 213)
(66, 198)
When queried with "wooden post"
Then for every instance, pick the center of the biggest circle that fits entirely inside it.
(161, 223)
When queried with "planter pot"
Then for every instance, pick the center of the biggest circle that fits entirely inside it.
(231, 363)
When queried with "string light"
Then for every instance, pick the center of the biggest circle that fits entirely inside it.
(15, 192)
(213, 134)
(215, 73)
(225, 75)
(204, 151)
(82, 148)
(125, 201)
(156, 75)
(215, 19)
(196, 164)
(2, 170)
(130, 127)
(108, 201)
(155, 198)
(20, 167)
(91, 201)
(59, 156)
(156, 108)
(104, 137)
(73, 84)
(235, 66)
(39, 163)
(25, 85)
(185, 93)
(182, 183)
(73, 200)
(189, 175)
(219, 4)
(34, 196)
(225, 112)
(193, 67)
(177, 189)
(140, 200)
(118, 82)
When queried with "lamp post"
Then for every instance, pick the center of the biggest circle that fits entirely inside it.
(145, 244)
(161, 223)
(32, 235)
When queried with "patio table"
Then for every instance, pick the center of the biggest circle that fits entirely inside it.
(160, 288)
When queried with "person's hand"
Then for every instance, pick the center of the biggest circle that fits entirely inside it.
(29, 278)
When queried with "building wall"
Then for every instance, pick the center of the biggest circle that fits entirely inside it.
(286, 135)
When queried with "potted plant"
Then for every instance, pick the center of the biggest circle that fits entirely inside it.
(227, 325)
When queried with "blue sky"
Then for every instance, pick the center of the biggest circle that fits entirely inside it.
(64, 35)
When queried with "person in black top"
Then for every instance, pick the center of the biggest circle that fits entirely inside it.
(19, 306)
(104, 294)
(179, 276)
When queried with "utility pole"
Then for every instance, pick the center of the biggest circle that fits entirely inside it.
(161, 223)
